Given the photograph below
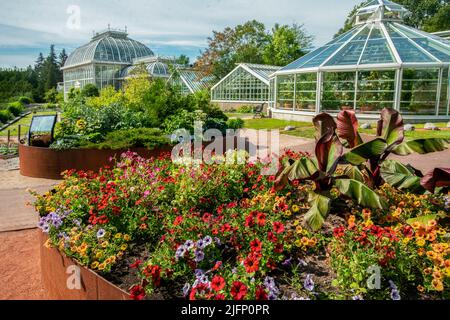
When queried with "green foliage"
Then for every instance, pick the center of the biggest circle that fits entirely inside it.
(90, 90)
(15, 108)
(252, 43)
(25, 100)
(130, 138)
(51, 96)
(5, 116)
(235, 124)
(107, 96)
(245, 109)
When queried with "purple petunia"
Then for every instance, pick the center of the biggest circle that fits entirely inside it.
(181, 251)
(189, 244)
(308, 284)
(100, 233)
(199, 255)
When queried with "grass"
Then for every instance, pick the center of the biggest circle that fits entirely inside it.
(306, 129)
(238, 115)
(24, 121)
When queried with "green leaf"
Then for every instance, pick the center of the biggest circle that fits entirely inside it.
(425, 219)
(354, 173)
(365, 151)
(302, 169)
(400, 176)
(360, 193)
(421, 146)
(320, 206)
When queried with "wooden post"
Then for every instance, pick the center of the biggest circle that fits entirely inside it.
(18, 133)
(8, 141)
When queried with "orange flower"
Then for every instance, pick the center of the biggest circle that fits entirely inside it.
(437, 285)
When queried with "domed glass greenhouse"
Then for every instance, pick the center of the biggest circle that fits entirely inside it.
(102, 59)
(379, 63)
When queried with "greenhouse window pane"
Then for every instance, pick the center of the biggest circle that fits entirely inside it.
(343, 38)
(348, 55)
(317, 61)
(377, 51)
(300, 62)
(338, 91)
(419, 91)
(409, 52)
(376, 90)
(305, 91)
(285, 93)
(437, 51)
(443, 102)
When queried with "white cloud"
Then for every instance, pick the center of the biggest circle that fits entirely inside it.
(171, 23)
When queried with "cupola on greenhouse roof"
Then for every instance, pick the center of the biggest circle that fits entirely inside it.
(378, 39)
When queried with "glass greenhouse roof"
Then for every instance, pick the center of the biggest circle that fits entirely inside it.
(195, 80)
(154, 68)
(379, 42)
(108, 46)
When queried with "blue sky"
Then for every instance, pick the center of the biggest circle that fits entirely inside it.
(168, 27)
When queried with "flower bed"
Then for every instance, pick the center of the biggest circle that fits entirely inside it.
(342, 225)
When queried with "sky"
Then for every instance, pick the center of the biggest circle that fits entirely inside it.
(168, 27)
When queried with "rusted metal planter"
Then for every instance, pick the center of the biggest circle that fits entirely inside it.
(48, 163)
(56, 271)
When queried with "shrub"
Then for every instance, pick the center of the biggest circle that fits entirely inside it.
(90, 90)
(235, 123)
(245, 109)
(51, 106)
(5, 116)
(25, 100)
(51, 96)
(16, 108)
(129, 138)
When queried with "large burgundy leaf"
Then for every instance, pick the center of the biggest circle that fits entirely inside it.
(329, 150)
(392, 130)
(438, 178)
(347, 128)
(323, 122)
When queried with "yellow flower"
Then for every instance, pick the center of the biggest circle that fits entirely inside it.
(298, 243)
(295, 208)
(102, 266)
(104, 244)
(48, 244)
(94, 265)
(432, 223)
(126, 237)
(299, 229)
(420, 288)
(368, 223)
(437, 285)
(420, 242)
(123, 247)
(99, 254)
(288, 213)
(397, 212)
(118, 235)
(296, 222)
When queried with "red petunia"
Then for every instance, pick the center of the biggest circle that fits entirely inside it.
(238, 290)
(217, 283)
(261, 293)
(278, 227)
(261, 219)
(255, 245)
(251, 264)
(137, 292)
(271, 237)
(136, 264)
(338, 232)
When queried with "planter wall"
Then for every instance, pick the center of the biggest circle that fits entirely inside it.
(54, 268)
(48, 163)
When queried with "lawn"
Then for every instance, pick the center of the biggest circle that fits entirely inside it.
(25, 121)
(306, 129)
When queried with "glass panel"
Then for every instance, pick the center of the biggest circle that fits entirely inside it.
(408, 52)
(348, 55)
(319, 59)
(338, 91)
(377, 51)
(376, 90)
(419, 90)
(439, 52)
(443, 102)
(305, 91)
(285, 93)
(343, 38)
(299, 62)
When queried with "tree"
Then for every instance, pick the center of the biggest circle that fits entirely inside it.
(51, 70)
(252, 43)
(243, 43)
(90, 90)
(287, 44)
(430, 15)
(182, 60)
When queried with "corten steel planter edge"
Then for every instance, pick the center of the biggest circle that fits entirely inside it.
(48, 163)
(54, 268)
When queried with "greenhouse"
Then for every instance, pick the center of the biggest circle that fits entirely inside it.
(189, 81)
(379, 63)
(101, 60)
(247, 84)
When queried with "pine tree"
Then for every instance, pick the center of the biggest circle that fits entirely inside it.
(51, 70)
